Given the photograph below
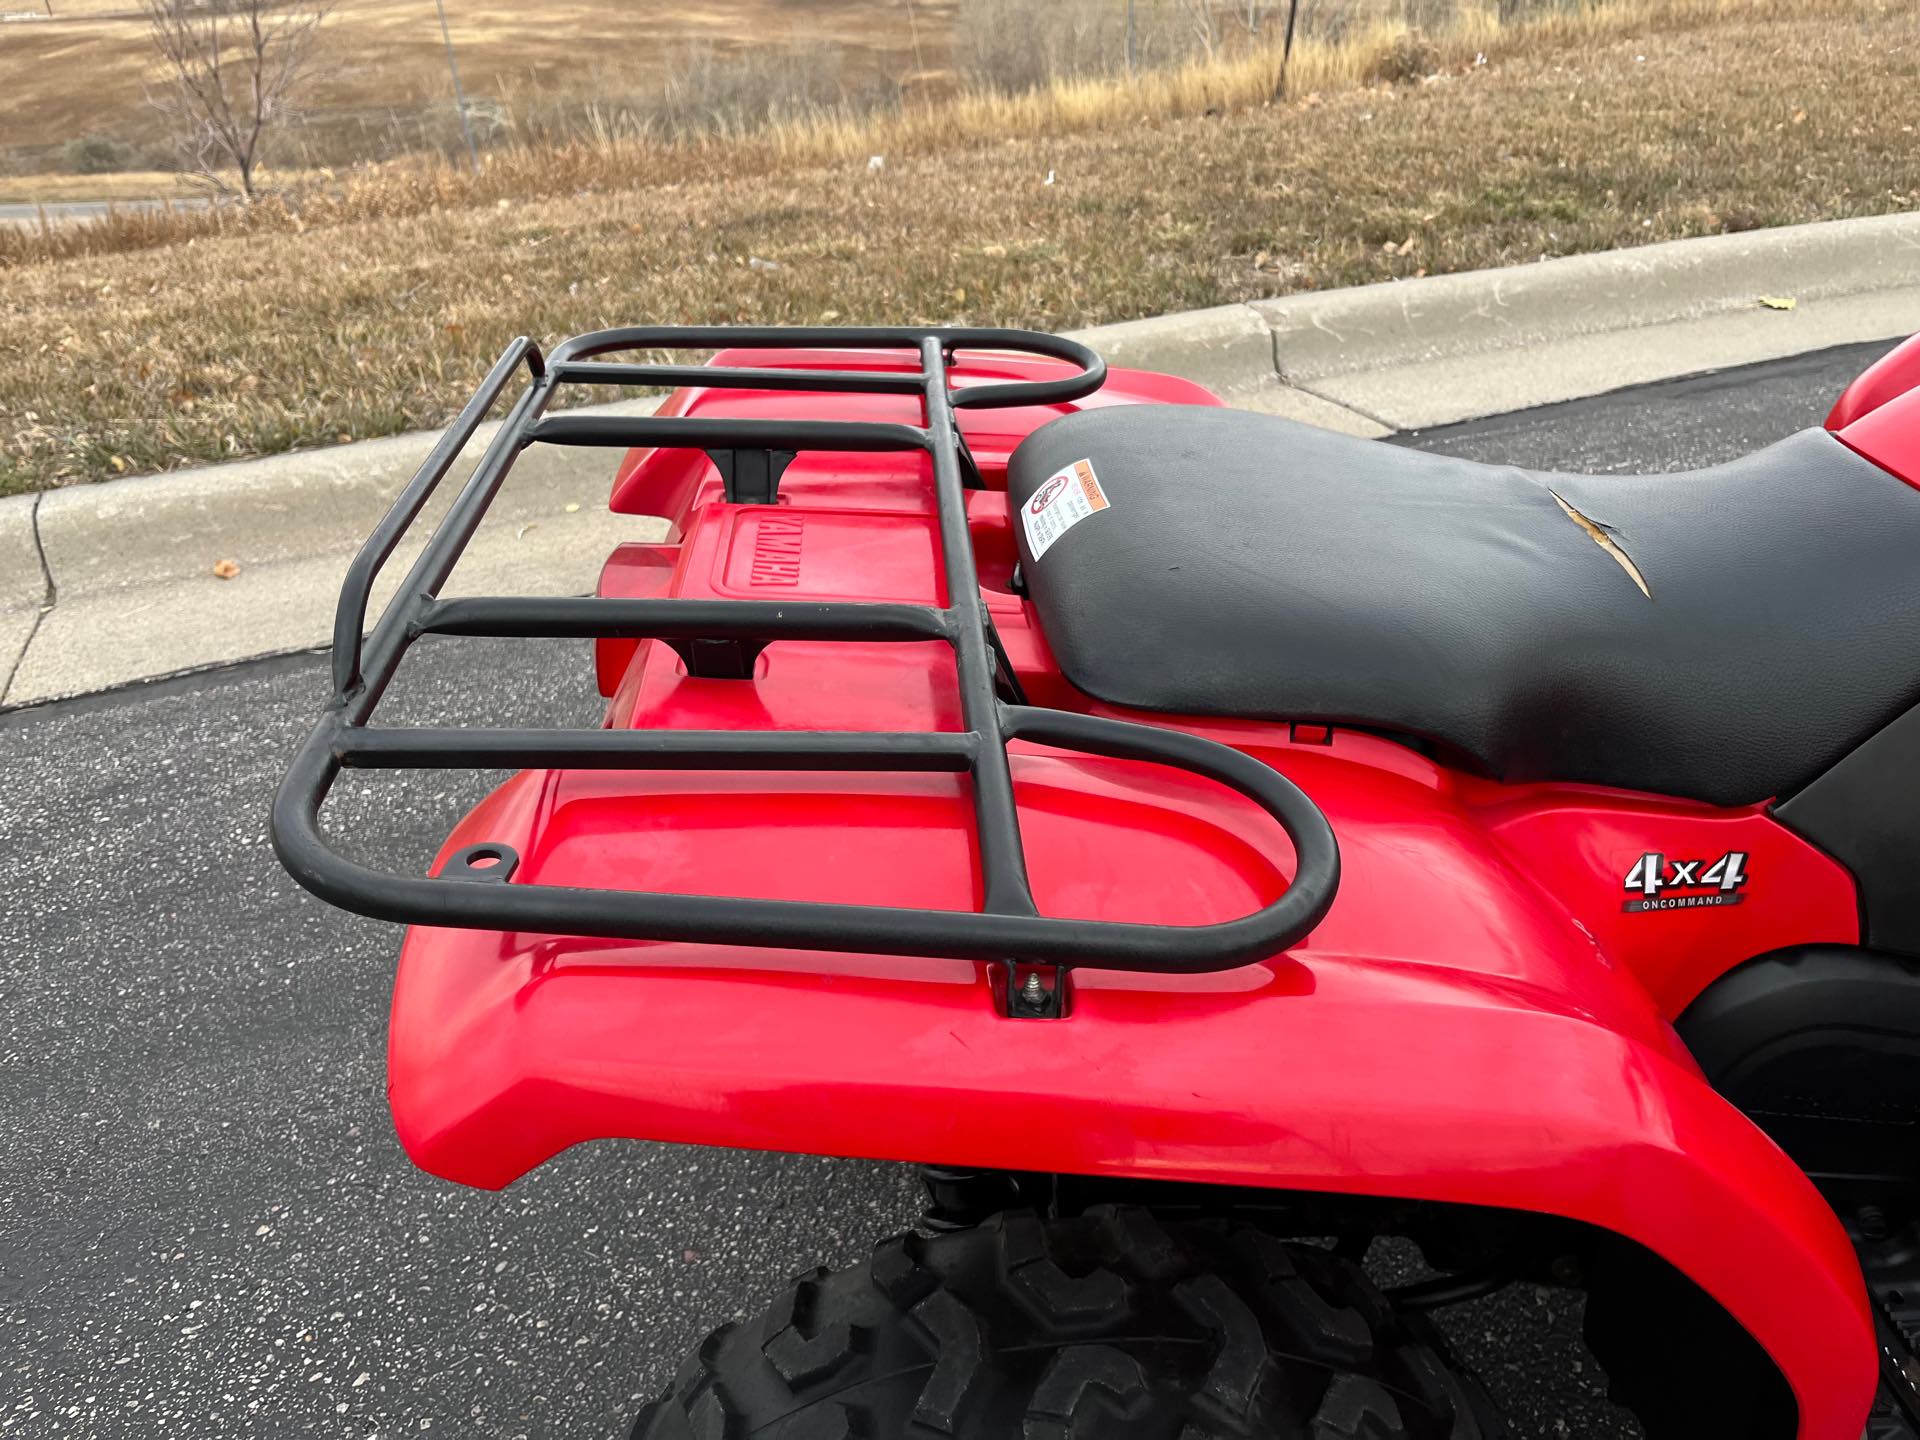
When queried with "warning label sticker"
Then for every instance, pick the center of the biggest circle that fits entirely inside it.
(1068, 497)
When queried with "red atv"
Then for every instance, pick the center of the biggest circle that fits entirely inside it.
(1206, 844)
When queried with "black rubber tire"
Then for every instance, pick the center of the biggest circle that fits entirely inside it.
(1109, 1325)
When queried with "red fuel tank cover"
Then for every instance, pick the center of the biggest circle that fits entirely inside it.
(1889, 435)
(1892, 375)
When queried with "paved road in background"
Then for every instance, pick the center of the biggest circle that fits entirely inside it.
(206, 1225)
(13, 213)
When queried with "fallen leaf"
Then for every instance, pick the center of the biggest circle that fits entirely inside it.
(1799, 117)
(225, 569)
(1778, 302)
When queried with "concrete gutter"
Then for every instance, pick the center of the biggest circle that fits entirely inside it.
(105, 584)
(1412, 354)
(24, 591)
(1430, 352)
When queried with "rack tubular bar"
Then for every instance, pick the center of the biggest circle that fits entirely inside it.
(452, 748)
(1007, 927)
(624, 431)
(806, 925)
(745, 377)
(602, 618)
(350, 615)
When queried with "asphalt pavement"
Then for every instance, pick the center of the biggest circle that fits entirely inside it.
(57, 211)
(206, 1225)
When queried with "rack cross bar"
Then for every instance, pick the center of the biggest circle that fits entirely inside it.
(725, 636)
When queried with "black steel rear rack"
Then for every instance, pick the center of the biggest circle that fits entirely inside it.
(751, 454)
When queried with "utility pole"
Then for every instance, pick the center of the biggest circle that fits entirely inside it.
(913, 35)
(459, 100)
(1132, 50)
(1286, 52)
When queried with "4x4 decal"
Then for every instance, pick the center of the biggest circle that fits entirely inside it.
(1658, 883)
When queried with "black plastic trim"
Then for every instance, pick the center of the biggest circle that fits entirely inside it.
(1865, 812)
(1819, 1045)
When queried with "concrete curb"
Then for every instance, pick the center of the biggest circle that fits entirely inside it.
(1226, 348)
(1412, 354)
(1371, 327)
(104, 584)
(1419, 353)
(132, 561)
(150, 529)
(23, 582)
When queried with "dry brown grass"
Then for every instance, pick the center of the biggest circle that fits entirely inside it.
(534, 69)
(82, 71)
(376, 314)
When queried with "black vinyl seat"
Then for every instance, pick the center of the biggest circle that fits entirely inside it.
(1251, 566)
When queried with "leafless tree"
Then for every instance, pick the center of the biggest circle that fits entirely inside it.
(1205, 22)
(1209, 32)
(231, 67)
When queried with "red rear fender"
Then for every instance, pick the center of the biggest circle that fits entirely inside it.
(1481, 1018)
(1449, 1033)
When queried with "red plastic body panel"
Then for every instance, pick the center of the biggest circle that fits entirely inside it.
(660, 482)
(1889, 435)
(1479, 1019)
(1578, 847)
(1893, 374)
(1879, 415)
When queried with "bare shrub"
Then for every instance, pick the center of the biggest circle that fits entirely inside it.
(1428, 17)
(1332, 22)
(96, 155)
(231, 67)
(1217, 25)
(1407, 58)
(1012, 46)
(710, 90)
(1015, 46)
(1521, 10)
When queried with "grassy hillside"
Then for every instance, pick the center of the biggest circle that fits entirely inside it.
(382, 84)
(376, 306)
